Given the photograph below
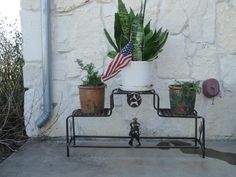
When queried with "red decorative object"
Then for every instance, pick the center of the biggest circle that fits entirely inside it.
(211, 88)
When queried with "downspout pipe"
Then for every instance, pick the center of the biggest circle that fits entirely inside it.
(45, 8)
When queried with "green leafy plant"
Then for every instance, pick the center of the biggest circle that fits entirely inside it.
(128, 26)
(92, 77)
(188, 87)
(183, 95)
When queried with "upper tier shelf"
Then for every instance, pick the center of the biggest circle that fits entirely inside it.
(168, 113)
(162, 112)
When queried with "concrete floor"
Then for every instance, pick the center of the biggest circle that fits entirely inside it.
(39, 158)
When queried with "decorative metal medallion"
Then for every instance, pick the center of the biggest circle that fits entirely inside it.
(134, 100)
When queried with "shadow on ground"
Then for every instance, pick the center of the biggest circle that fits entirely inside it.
(225, 156)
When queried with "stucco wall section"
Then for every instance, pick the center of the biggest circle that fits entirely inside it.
(201, 45)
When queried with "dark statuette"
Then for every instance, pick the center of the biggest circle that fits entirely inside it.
(134, 132)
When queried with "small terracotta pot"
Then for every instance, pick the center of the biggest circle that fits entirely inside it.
(92, 98)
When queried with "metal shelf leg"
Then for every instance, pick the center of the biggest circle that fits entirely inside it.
(195, 140)
(73, 126)
(67, 137)
(203, 138)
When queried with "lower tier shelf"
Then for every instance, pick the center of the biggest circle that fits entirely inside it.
(78, 113)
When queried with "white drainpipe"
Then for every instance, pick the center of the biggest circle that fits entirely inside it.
(45, 8)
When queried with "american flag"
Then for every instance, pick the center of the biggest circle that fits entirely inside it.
(121, 60)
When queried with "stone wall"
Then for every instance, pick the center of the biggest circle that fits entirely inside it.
(201, 45)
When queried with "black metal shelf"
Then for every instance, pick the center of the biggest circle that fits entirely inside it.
(106, 113)
(199, 128)
(165, 112)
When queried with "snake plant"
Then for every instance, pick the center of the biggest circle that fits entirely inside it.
(128, 26)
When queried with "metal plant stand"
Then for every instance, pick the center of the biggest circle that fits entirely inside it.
(134, 100)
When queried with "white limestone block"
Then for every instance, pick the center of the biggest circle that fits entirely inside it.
(205, 63)
(195, 28)
(104, 1)
(152, 13)
(108, 16)
(83, 37)
(32, 75)
(33, 5)
(60, 93)
(172, 63)
(64, 30)
(172, 16)
(63, 6)
(72, 87)
(226, 26)
(72, 69)
(208, 23)
(32, 35)
(233, 3)
(201, 19)
(191, 6)
(190, 47)
(228, 70)
(59, 70)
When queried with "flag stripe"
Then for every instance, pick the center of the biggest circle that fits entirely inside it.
(118, 68)
(111, 76)
(114, 63)
(122, 64)
(121, 60)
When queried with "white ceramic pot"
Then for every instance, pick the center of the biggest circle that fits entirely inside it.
(137, 76)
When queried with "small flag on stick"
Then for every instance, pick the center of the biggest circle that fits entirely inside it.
(121, 60)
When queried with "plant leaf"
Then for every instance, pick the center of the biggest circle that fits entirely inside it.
(137, 36)
(163, 39)
(148, 37)
(118, 31)
(112, 54)
(144, 10)
(147, 28)
(110, 40)
(124, 19)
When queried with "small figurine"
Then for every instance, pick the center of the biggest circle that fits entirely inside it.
(134, 132)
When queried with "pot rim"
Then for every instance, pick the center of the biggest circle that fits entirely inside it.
(141, 62)
(174, 86)
(92, 87)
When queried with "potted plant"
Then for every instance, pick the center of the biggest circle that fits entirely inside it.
(182, 96)
(92, 90)
(147, 44)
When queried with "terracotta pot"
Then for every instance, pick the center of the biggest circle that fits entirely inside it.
(179, 102)
(92, 98)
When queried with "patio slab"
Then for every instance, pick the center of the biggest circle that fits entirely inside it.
(39, 158)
